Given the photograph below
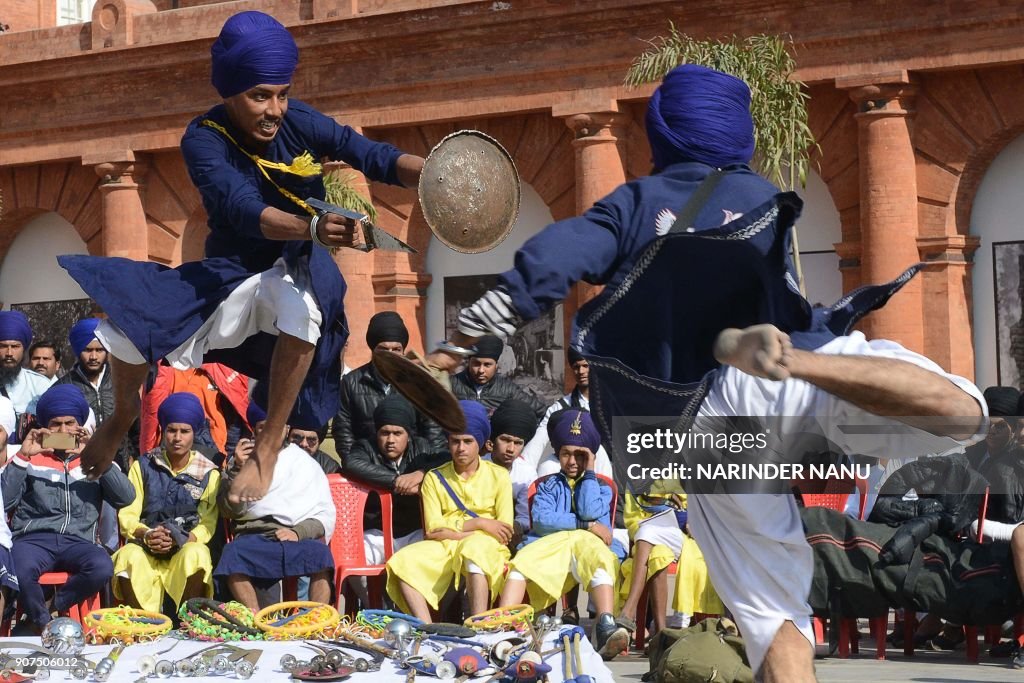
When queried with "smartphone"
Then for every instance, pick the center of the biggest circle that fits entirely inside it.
(59, 441)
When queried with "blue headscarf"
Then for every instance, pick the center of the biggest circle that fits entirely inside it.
(14, 325)
(254, 413)
(478, 425)
(181, 408)
(699, 114)
(82, 334)
(573, 427)
(62, 400)
(252, 49)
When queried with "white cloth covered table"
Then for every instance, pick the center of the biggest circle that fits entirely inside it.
(268, 670)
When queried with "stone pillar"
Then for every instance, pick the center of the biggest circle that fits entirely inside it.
(125, 231)
(947, 281)
(599, 148)
(888, 204)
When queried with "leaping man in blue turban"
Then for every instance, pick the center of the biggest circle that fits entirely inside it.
(701, 317)
(266, 300)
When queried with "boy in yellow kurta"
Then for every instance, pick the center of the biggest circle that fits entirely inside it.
(173, 518)
(570, 540)
(467, 522)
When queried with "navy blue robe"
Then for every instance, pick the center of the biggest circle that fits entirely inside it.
(159, 308)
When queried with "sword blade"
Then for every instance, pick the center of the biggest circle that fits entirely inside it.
(374, 237)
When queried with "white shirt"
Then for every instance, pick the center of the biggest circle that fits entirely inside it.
(522, 475)
(299, 490)
(26, 389)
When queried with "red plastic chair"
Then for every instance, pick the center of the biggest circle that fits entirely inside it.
(76, 612)
(347, 542)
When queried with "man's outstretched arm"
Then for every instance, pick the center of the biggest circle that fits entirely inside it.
(886, 387)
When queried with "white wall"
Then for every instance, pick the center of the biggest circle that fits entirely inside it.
(995, 217)
(818, 229)
(30, 273)
(443, 262)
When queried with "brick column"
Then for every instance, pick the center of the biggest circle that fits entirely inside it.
(600, 167)
(888, 205)
(947, 281)
(125, 231)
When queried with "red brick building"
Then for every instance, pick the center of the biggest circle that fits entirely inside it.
(911, 102)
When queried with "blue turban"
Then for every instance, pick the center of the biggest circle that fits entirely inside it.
(14, 325)
(181, 408)
(254, 414)
(252, 49)
(699, 114)
(62, 400)
(573, 427)
(478, 424)
(82, 334)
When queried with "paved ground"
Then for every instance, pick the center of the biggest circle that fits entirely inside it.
(937, 667)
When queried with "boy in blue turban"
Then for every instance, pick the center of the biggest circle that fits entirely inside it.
(266, 301)
(701, 317)
(54, 510)
(467, 524)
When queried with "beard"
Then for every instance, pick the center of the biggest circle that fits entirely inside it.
(8, 375)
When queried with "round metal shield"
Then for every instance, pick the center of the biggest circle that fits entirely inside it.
(469, 192)
(425, 393)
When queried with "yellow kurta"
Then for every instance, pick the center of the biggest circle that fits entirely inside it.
(693, 592)
(430, 567)
(151, 576)
(546, 563)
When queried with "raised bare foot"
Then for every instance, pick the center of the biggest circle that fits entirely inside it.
(253, 481)
(101, 448)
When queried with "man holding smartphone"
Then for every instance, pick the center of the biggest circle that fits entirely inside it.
(56, 509)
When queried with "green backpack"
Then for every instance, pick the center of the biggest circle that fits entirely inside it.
(709, 652)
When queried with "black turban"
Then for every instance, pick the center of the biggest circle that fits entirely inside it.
(386, 326)
(514, 418)
(396, 411)
(1002, 401)
(489, 346)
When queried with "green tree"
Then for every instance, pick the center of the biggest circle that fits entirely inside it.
(778, 102)
(341, 192)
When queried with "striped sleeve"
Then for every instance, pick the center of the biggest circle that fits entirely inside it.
(493, 313)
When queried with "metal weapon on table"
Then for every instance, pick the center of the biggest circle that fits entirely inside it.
(42, 659)
(373, 237)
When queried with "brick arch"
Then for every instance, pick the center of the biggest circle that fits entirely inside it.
(67, 189)
(963, 120)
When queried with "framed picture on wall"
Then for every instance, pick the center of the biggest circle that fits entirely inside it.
(52, 321)
(1008, 271)
(535, 355)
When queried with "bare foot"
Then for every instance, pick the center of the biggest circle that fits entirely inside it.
(253, 481)
(101, 449)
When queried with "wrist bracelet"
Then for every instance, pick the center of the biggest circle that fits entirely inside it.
(463, 351)
(313, 224)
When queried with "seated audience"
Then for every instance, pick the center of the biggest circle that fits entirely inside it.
(173, 517)
(481, 382)
(284, 534)
(308, 437)
(570, 540)
(55, 508)
(363, 389)
(21, 385)
(467, 523)
(512, 425)
(395, 461)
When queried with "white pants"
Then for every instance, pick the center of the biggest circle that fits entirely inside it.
(759, 562)
(276, 300)
(373, 543)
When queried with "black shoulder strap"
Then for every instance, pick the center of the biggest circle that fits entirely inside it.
(696, 202)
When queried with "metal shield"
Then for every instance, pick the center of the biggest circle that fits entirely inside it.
(423, 390)
(469, 192)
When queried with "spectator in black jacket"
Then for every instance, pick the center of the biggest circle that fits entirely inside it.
(481, 382)
(363, 388)
(308, 437)
(394, 460)
(91, 374)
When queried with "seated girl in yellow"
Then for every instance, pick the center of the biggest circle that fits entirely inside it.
(467, 522)
(173, 517)
(656, 523)
(570, 540)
